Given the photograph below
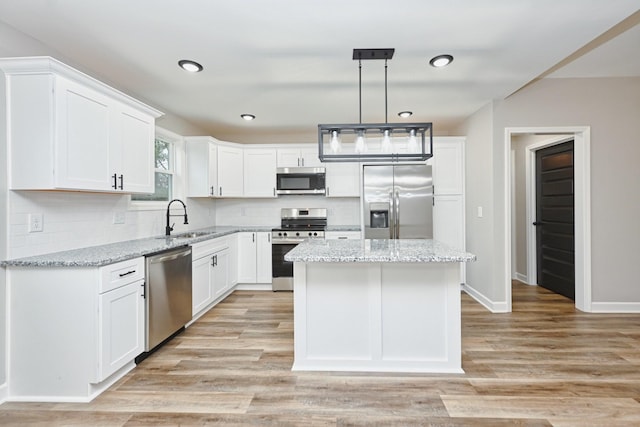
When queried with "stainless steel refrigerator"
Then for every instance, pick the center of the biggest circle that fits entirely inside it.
(397, 202)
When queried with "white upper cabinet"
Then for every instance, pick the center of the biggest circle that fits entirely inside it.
(343, 179)
(230, 171)
(70, 131)
(298, 157)
(202, 166)
(448, 165)
(260, 172)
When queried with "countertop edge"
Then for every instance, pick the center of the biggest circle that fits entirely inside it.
(101, 255)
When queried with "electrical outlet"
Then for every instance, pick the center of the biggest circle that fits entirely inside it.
(479, 211)
(36, 223)
(119, 217)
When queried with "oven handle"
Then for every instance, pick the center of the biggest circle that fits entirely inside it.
(276, 241)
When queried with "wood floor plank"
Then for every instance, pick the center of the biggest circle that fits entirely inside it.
(544, 364)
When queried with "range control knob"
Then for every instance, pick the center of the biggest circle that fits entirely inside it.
(297, 234)
(315, 234)
(310, 234)
(279, 234)
(284, 234)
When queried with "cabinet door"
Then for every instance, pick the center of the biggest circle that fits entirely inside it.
(201, 292)
(448, 220)
(448, 167)
(263, 258)
(288, 157)
(135, 152)
(202, 167)
(83, 129)
(220, 273)
(120, 327)
(230, 172)
(247, 258)
(343, 179)
(260, 173)
(233, 259)
(310, 157)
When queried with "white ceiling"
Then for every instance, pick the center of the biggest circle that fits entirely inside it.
(289, 61)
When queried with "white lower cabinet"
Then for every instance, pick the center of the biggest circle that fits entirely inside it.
(254, 257)
(120, 327)
(210, 273)
(73, 331)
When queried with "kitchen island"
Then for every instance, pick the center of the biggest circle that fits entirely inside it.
(377, 305)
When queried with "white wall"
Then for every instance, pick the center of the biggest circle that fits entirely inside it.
(479, 182)
(3, 238)
(611, 108)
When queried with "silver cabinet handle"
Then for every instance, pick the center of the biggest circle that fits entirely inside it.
(221, 190)
(253, 237)
(212, 193)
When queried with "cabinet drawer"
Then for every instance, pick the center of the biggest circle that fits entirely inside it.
(113, 276)
(208, 247)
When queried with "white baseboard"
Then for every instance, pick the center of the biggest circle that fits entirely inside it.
(4, 393)
(492, 306)
(615, 307)
(522, 278)
(253, 287)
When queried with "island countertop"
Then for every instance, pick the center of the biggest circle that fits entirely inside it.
(376, 250)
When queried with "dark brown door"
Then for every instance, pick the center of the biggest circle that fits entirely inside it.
(555, 219)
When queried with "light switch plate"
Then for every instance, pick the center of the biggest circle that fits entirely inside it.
(479, 211)
(119, 217)
(36, 222)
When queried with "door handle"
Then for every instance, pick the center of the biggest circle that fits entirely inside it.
(115, 181)
(397, 196)
(122, 182)
(537, 223)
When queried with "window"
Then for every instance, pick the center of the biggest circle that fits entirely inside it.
(164, 172)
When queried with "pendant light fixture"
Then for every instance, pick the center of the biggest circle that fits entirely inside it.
(374, 142)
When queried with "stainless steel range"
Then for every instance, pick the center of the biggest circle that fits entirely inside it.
(296, 226)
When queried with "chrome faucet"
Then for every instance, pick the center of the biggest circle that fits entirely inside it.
(169, 228)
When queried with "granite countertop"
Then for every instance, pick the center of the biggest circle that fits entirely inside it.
(97, 256)
(377, 250)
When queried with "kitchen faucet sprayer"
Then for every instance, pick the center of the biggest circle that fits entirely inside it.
(169, 228)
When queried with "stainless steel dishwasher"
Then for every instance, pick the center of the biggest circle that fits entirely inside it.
(168, 292)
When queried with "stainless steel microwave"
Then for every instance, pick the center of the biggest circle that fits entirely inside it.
(300, 181)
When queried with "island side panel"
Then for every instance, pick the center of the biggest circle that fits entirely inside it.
(392, 317)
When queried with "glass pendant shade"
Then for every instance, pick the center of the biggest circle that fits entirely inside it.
(335, 144)
(386, 142)
(412, 143)
(361, 143)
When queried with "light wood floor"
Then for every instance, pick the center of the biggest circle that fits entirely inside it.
(544, 364)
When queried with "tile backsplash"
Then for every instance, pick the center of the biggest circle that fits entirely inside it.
(77, 219)
(73, 220)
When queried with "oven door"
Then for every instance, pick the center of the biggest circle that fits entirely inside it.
(282, 270)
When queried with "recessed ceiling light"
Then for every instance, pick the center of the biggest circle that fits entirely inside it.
(405, 114)
(441, 61)
(248, 117)
(190, 66)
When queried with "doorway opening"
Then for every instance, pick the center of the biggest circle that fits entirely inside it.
(520, 232)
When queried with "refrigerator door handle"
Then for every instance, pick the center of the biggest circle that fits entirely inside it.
(392, 216)
(397, 232)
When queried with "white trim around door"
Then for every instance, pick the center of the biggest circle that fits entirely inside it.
(582, 201)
